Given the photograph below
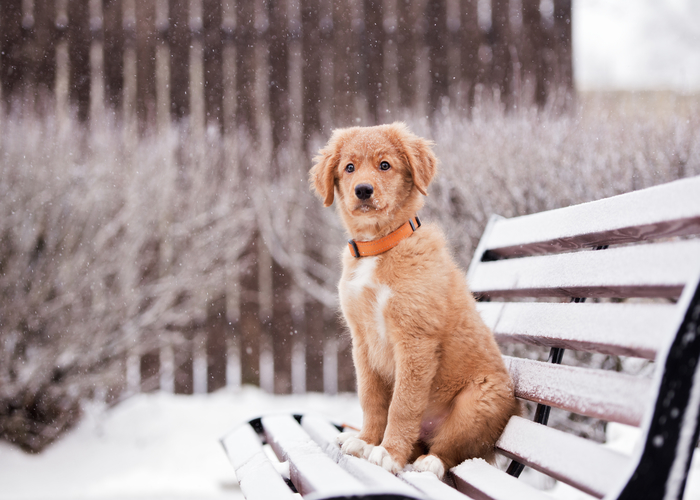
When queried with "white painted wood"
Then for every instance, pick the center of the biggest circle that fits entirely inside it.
(665, 210)
(258, 478)
(607, 395)
(654, 270)
(376, 478)
(619, 329)
(579, 462)
(481, 481)
(311, 470)
(431, 486)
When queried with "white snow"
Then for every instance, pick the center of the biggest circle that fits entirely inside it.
(153, 446)
(163, 446)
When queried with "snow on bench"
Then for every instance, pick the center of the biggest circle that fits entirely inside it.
(533, 274)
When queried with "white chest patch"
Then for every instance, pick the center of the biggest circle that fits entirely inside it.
(383, 296)
(361, 280)
(363, 275)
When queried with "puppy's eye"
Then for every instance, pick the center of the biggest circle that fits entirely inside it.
(350, 168)
(384, 165)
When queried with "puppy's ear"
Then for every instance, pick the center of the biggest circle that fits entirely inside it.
(421, 160)
(322, 174)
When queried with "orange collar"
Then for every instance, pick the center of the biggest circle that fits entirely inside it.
(368, 248)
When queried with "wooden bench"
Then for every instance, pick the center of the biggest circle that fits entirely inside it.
(579, 278)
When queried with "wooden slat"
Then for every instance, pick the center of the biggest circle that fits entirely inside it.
(431, 486)
(611, 396)
(482, 481)
(311, 470)
(655, 270)
(258, 478)
(379, 479)
(671, 209)
(583, 464)
(637, 330)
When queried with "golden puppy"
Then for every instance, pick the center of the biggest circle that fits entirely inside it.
(431, 380)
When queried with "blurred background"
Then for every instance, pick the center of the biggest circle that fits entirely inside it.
(157, 231)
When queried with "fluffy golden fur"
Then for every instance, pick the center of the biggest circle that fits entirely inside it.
(431, 381)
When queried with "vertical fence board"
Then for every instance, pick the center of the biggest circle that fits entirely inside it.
(146, 64)
(179, 39)
(562, 43)
(278, 60)
(531, 52)
(407, 47)
(216, 346)
(373, 47)
(11, 72)
(315, 337)
(250, 322)
(344, 72)
(44, 53)
(470, 39)
(436, 40)
(212, 18)
(311, 61)
(150, 371)
(500, 34)
(281, 329)
(245, 66)
(183, 355)
(113, 50)
(79, 40)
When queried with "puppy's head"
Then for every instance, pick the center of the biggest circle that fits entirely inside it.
(378, 174)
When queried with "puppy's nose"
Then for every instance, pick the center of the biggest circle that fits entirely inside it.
(364, 191)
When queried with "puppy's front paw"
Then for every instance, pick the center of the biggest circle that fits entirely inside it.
(430, 463)
(350, 444)
(379, 456)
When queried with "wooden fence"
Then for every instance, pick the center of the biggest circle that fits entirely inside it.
(281, 70)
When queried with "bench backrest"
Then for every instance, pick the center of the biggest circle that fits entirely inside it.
(583, 278)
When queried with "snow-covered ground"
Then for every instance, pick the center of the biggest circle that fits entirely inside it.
(162, 446)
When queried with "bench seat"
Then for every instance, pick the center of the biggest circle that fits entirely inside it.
(616, 277)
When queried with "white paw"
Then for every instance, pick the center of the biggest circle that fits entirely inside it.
(353, 445)
(382, 458)
(430, 463)
(344, 436)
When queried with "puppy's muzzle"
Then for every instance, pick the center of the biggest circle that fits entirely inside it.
(364, 191)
